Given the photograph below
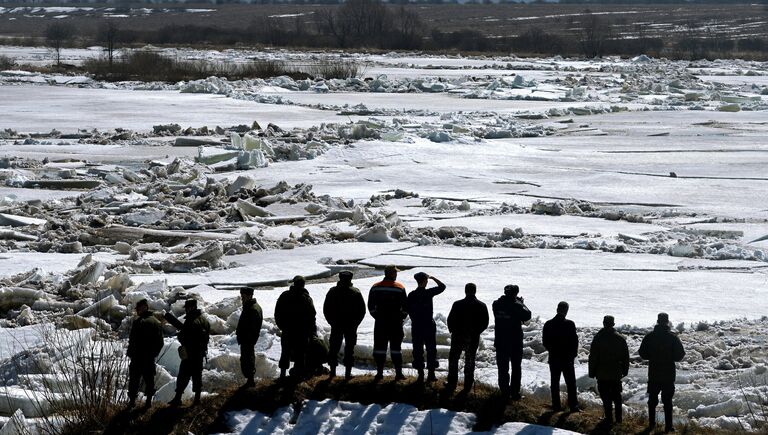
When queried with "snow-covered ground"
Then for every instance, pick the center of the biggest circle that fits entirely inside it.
(626, 187)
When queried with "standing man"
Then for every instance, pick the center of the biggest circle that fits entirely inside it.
(247, 333)
(388, 305)
(509, 312)
(423, 328)
(344, 309)
(295, 316)
(560, 339)
(609, 362)
(193, 336)
(144, 345)
(467, 320)
(662, 348)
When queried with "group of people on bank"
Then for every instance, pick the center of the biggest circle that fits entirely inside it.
(390, 305)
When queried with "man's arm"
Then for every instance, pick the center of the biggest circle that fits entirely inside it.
(434, 291)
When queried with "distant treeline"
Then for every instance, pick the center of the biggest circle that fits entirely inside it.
(371, 24)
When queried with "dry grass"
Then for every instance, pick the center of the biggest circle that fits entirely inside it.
(491, 409)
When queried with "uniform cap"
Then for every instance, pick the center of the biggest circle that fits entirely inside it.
(345, 274)
(190, 303)
(391, 268)
(511, 288)
(608, 321)
(246, 290)
(298, 279)
(420, 276)
(663, 319)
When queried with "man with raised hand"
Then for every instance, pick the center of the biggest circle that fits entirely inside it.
(662, 348)
(247, 334)
(388, 305)
(344, 309)
(144, 345)
(467, 320)
(561, 341)
(609, 362)
(509, 312)
(295, 316)
(423, 328)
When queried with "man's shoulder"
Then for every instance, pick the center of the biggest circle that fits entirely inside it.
(388, 285)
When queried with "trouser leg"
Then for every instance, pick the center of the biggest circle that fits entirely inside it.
(514, 383)
(395, 346)
(502, 363)
(617, 400)
(197, 374)
(453, 360)
(667, 392)
(606, 395)
(300, 355)
(380, 341)
(134, 378)
(430, 342)
(185, 374)
(148, 374)
(418, 337)
(470, 354)
(569, 375)
(286, 350)
(350, 340)
(554, 383)
(248, 360)
(653, 400)
(334, 346)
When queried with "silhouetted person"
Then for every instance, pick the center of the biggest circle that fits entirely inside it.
(560, 339)
(344, 309)
(295, 316)
(466, 321)
(423, 327)
(609, 362)
(144, 345)
(193, 337)
(662, 348)
(247, 333)
(388, 305)
(509, 312)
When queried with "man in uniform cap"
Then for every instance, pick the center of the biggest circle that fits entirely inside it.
(662, 348)
(144, 345)
(388, 305)
(423, 328)
(295, 316)
(509, 312)
(609, 362)
(466, 321)
(560, 339)
(344, 309)
(247, 333)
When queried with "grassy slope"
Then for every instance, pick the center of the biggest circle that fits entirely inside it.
(268, 396)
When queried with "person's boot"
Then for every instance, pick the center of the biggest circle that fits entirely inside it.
(379, 371)
(249, 383)
(332, 372)
(668, 423)
(399, 376)
(348, 373)
(431, 376)
(197, 398)
(618, 414)
(148, 403)
(651, 417)
(176, 401)
(131, 402)
(420, 378)
(282, 374)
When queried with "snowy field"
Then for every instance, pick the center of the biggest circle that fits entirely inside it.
(626, 187)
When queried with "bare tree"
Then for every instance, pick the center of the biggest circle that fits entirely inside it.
(594, 33)
(58, 35)
(108, 34)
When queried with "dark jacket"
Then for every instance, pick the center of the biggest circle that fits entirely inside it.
(249, 325)
(387, 301)
(608, 356)
(295, 312)
(509, 314)
(420, 304)
(146, 339)
(193, 333)
(468, 317)
(662, 348)
(560, 339)
(344, 306)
